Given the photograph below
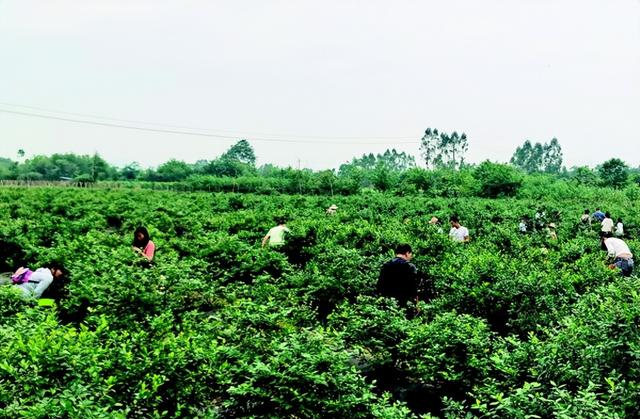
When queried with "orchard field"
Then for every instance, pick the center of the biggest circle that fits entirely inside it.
(519, 326)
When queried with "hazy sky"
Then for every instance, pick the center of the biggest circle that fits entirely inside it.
(314, 72)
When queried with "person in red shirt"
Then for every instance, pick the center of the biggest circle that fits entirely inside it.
(142, 245)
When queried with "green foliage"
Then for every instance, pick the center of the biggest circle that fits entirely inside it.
(241, 152)
(442, 150)
(538, 157)
(497, 180)
(614, 173)
(217, 326)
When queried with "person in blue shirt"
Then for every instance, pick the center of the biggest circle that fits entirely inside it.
(599, 215)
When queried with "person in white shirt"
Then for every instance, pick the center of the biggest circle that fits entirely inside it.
(332, 209)
(522, 227)
(34, 283)
(458, 233)
(607, 224)
(275, 236)
(619, 228)
(618, 250)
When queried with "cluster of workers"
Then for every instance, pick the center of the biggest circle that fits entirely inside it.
(398, 278)
(46, 283)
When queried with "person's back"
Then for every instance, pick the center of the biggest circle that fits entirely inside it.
(619, 228)
(38, 282)
(275, 236)
(623, 258)
(399, 278)
(607, 224)
(599, 215)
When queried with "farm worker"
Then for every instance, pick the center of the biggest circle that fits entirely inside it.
(435, 222)
(142, 245)
(540, 219)
(458, 233)
(619, 228)
(598, 215)
(275, 236)
(585, 218)
(551, 231)
(34, 283)
(399, 277)
(522, 227)
(332, 209)
(607, 224)
(616, 248)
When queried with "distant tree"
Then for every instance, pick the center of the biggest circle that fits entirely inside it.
(131, 171)
(614, 173)
(538, 157)
(20, 154)
(327, 180)
(396, 161)
(242, 152)
(442, 150)
(584, 176)
(7, 168)
(228, 167)
(174, 170)
(200, 167)
(391, 159)
(383, 178)
(552, 156)
(497, 179)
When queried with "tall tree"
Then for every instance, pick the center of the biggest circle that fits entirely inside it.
(538, 157)
(440, 149)
(241, 152)
(552, 156)
(614, 173)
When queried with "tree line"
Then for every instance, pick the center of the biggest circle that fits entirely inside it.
(443, 154)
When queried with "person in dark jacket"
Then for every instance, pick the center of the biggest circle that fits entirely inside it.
(399, 277)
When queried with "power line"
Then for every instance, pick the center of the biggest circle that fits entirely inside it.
(232, 133)
(198, 134)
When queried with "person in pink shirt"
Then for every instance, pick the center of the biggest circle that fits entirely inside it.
(142, 245)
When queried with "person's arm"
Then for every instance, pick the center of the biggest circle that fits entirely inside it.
(265, 239)
(19, 271)
(45, 281)
(149, 251)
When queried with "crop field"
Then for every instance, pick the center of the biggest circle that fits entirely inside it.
(516, 326)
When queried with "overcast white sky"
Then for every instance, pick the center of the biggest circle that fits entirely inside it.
(500, 70)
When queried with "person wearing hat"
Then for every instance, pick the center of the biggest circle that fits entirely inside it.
(332, 209)
(551, 231)
(435, 222)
